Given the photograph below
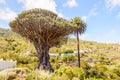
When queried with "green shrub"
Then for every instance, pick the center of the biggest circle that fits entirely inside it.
(75, 78)
(31, 76)
(57, 77)
(94, 79)
(25, 59)
(71, 58)
(66, 51)
(54, 60)
(38, 75)
(68, 58)
(10, 74)
(71, 72)
(80, 73)
(85, 65)
(68, 71)
(9, 56)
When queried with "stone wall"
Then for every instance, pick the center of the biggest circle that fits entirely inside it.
(5, 64)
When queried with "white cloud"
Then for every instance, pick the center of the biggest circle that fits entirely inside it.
(44, 4)
(84, 18)
(60, 15)
(118, 15)
(110, 4)
(2, 1)
(7, 14)
(71, 3)
(91, 13)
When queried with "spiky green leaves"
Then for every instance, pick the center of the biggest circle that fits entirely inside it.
(81, 25)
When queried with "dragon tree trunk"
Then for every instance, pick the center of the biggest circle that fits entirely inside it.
(43, 56)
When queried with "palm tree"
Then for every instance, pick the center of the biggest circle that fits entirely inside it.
(81, 27)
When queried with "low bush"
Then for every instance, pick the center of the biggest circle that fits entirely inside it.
(71, 72)
(10, 74)
(38, 75)
(68, 58)
(66, 51)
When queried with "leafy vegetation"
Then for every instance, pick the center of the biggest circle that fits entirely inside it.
(99, 61)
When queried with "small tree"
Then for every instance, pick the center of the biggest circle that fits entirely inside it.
(44, 29)
(81, 27)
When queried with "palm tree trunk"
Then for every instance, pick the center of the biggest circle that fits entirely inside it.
(78, 49)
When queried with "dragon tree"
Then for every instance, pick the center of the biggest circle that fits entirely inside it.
(44, 29)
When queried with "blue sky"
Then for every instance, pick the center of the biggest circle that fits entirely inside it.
(102, 16)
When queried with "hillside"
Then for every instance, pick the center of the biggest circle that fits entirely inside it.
(7, 37)
(7, 33)
(99, 61)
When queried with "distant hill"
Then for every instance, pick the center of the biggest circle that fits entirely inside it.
(93, 47)
(7, 33)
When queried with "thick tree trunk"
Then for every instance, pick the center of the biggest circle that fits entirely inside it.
(43, 57)
(78, 49)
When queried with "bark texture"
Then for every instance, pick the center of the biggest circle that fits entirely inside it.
(43, 56)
